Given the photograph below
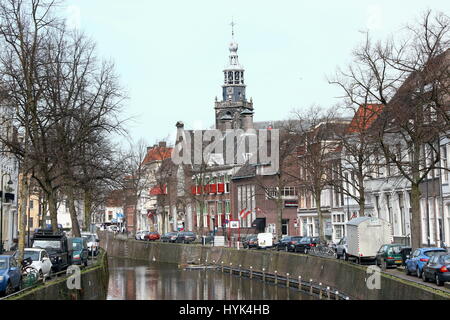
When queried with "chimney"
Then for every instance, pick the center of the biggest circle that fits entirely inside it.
(247, 119)
(226, 121)
(162, 144)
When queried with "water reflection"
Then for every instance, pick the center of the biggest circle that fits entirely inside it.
(133, 280)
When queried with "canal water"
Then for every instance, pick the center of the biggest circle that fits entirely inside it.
(141, 280)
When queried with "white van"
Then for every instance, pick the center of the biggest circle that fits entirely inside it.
(265, 240)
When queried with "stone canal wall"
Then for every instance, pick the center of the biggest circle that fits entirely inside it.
(337, 274)
(93, 285)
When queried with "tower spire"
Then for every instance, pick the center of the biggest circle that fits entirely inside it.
(232, 24)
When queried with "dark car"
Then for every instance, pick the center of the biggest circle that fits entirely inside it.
(288, 243)
(79, 251)
(389, 255)
(250, 241)
(56, 245)
(169, 237)
(305, 244)
(186, 237)
(152, 236)
(10, 275)
(437, 269)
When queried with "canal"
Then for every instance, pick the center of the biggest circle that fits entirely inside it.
(141, 280)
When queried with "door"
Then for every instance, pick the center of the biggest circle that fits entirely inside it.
(412, 263)
(14, 272)
(380, 254)
(431, 268)
(285, 227)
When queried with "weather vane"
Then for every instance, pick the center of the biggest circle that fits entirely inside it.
(232, 24)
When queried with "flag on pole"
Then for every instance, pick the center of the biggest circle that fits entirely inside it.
(242, 213)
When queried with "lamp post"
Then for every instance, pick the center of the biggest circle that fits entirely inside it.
(1, 209)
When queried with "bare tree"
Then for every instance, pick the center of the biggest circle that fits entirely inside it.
(409, 77)
(317, 153)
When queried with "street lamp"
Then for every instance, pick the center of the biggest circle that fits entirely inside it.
(1, 210)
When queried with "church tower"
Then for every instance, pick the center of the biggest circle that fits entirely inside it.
(234, 111)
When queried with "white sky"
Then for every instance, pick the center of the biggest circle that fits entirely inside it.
(170, 54)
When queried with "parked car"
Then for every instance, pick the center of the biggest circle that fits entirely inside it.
(140, 235)
(79, 249)
(56, 245)
(169, 237)
(137, 236)
(437, 268)
(288, 243)
(389, 255)
(112, 228)
(10, 275)
(186, 237)
(250, 241)
(92, 242)
(305, 244)
(40, 261)
(152, 236)
(341, 249)
(419, 258)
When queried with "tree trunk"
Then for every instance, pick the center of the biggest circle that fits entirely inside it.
(22, 212)
(53, 209)
(416, 226)
(362, 197)
(73, 212)
(320, 216)
(87, 209)
(279, 215)
(44, 210)
(133, 230)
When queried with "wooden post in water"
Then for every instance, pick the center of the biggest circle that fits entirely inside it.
(251, 272)
(276, 277)
(320, 290)
(287, 280)
(300, 283)
(310, 286)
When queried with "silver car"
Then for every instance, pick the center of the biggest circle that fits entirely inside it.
(341, 249)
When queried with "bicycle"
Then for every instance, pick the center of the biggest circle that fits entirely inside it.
(29, 273)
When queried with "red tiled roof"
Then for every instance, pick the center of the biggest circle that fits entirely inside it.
(157, 154)
(364, 117)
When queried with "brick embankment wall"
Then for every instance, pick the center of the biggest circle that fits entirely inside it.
(337, 274)
(93, 285)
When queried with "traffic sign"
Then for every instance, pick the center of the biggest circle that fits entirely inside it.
(234, 224)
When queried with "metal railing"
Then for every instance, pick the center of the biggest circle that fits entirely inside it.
(296, 282)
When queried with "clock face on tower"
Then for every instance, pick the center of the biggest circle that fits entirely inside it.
(229, 90)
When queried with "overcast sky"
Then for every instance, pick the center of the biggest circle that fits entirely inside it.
(170, 54)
